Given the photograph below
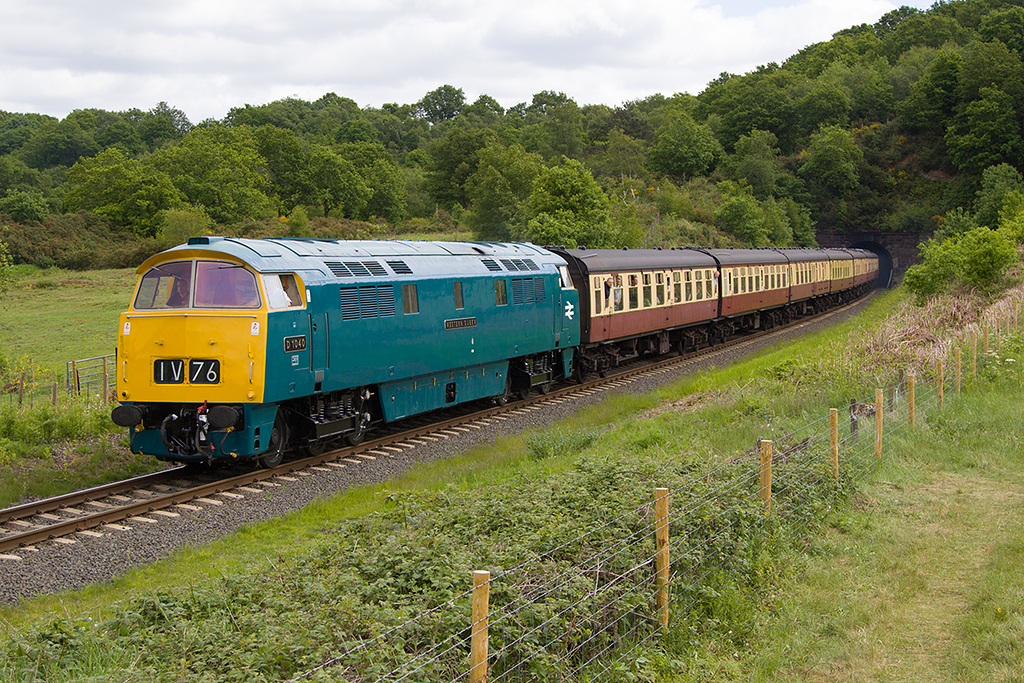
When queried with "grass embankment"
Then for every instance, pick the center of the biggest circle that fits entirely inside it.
(905, 583)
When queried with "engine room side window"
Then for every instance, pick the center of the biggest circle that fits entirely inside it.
(225, 285)
(457, 290)
(282, 292)
(410, 301)
(500, 293)
(168, 285)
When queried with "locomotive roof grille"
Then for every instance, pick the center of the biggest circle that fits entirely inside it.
(400, 267)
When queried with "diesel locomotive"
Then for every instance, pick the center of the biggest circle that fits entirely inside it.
(243, 349)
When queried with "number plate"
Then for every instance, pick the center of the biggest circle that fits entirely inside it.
(292, 344)
(172, 371)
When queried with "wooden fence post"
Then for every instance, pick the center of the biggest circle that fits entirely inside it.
(478, 645)
(833, 419)
(878, 423)
(54, 397)
(942, 383)
(21, 389)
(911, 407)
(766, 475)
(662, 552)
(984, 348)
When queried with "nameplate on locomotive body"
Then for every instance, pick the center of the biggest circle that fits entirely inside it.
(292, 344)
(459, 323)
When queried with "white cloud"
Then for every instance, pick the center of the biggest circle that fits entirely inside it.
(206, 56)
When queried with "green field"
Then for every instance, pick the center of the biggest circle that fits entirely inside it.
(55, 316)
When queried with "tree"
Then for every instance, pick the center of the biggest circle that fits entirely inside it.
(443, 104)
(220, 169)
(24, 206)
(382, 178)
(834, 160)
(933, 97)
(286, 161)
(453, 160)
(499, 188)
(997, 183)
(824, 105)
(684, 148)
(740, 215)
(123, 189)
(568, 207)
(331, 182)
(987, 133)
(756, 161)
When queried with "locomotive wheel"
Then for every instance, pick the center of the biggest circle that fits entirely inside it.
(355, 437)
(274, 455)
(316, 448)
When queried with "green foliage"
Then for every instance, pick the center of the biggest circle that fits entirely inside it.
(123, 190)
(24, 206)
(986, 133)
(6, 278)
(684, 148)
(997, 183)
(833, 164)
(977, 258)
(740, 216)
(179, 225)
(567, 207)
(220, 169)
(500, 187)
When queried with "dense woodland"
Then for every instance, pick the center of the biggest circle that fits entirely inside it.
(913, 123)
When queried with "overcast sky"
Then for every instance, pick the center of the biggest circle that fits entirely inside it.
(207, 56)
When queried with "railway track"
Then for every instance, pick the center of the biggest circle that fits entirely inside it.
(181, 490)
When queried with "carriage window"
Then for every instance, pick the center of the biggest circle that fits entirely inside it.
(410, 300)
(500, 295)
(168, 285)
(699, 285)
(282, 292)
(660, 294)
(710, 288)
(225, 285)
(647, 290)
(634, 294)
(617, 293)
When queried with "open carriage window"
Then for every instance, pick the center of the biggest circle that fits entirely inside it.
(282, 292)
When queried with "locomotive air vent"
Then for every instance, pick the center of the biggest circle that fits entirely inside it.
(400, 267)
(519, 264)
(367, 302)
(355, 268)
(491, 264)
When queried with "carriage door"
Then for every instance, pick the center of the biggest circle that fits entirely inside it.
(319, 353)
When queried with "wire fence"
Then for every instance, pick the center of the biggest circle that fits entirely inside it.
(596, 616)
